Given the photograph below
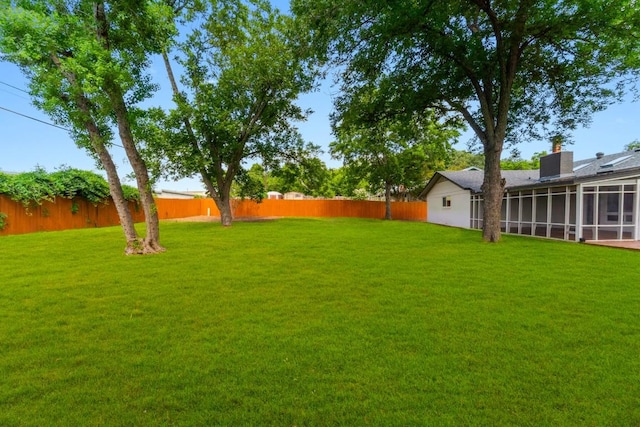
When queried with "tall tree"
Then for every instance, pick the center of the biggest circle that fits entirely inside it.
(509, 68)
(633, 145)
(515, 162)
(461, 159)
(301, 170)
(86, 64)
(390, 153)
(242, 75)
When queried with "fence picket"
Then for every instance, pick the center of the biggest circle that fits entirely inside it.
(65, 214)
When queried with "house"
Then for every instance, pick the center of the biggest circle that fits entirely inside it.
(171, 194)
(293, 195)
(591, 199)
(274, 195)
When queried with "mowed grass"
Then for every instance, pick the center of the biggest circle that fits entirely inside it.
(305, 322)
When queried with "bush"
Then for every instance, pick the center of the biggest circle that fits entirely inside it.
(35, 187)
(78, 183)
(30, 187)
(131, 193)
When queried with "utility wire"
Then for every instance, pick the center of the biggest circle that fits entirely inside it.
(46, 123)
(13, 94)
(14, 87)
(33, 118)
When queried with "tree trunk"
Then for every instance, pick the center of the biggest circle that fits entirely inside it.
(121, 204)
(493, 192)
(222, 198)
(97, 142)
(151, 242)
(226, 214)
(387, 200)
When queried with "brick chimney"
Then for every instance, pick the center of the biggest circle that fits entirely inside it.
(558, 164)
(556, 144)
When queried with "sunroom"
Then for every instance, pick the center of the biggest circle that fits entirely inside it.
(596, 199)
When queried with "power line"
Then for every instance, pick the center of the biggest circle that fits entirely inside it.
(46, 123)
(14, 87)
(33, 118)
(14, 94)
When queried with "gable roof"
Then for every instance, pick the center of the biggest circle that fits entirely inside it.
(472, 179)
(622, 164)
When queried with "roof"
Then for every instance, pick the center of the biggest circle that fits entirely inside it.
(180, 194)
(617, 164)
(472, 179)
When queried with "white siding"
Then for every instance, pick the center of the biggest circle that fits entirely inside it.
(458, 214)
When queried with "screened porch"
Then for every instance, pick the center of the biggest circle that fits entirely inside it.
(608, 211)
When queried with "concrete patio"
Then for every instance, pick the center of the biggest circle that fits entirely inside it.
(623, 244)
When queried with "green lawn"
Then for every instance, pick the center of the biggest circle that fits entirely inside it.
(304, 322)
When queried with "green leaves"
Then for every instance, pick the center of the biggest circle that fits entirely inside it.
(386, 146)
(38, 186)
(30, 187)
(519, 68)
(242, 74)
(513, 70)
(78, 183)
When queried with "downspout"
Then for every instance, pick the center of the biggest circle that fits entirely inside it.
(507, 214)
(567, 218)
(579, 212)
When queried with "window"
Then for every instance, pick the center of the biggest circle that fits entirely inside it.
(577, 168)
(610, 212)
(615, 162)
(613, 206)
(446, 202)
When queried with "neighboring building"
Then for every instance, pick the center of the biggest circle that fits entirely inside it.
(171, 194)
(274, 195)
(293, 195)
(592, 199)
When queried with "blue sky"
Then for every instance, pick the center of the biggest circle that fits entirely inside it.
(25, 143)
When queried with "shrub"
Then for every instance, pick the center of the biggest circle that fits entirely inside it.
(30, 187)
(131, 193)
(78, 183)
(35, 187)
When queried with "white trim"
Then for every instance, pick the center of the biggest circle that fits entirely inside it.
(636, 235)
(579, 211)
(567, 217)
(570, 226)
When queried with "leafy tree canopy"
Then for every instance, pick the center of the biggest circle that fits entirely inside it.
(460, 159)
(387, 151)
(87, 63)
(242, 73)
(633, 145)
(533, 67)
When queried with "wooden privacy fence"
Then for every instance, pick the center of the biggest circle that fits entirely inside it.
(62, 214)
(65, 214)
(176, 208)
(416, 211)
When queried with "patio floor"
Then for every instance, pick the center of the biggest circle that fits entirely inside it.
(623, 244)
